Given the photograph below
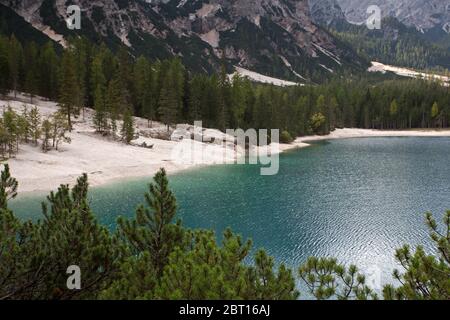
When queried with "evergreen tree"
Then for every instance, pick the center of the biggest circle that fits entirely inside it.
(8, 187)
(325, 278)
(74, 237)
(4, 65)
(101, 114)
(81, 58)
(59, 130)
(97, 78)
(31, 71)
(48, 70)
(393, 110)
(12, 132)
(15, 63)
(115, 103)
(238, 102)
(168, 102)
(152, 230)
(425, 277)
(127, 131)
(145, 89)
(69, 91)
(140, 72)
(34, 120)
(24, 124)
(223, 100)
(46, 130)
(195, 99)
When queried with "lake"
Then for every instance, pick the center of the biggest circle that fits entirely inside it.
(354, 199)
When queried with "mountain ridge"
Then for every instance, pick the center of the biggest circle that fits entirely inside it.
(276, 38)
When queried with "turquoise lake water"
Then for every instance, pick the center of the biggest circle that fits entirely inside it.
(355, 199)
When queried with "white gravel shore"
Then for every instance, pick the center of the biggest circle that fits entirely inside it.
(106, 161)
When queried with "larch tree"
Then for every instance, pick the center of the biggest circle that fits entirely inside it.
(435, 113)
(59, 130)
(393, 111)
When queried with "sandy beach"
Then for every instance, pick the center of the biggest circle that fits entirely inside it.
(106, 161)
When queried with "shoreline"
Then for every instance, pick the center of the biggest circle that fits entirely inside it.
(350, 133)
(98, 179)
(108, 161)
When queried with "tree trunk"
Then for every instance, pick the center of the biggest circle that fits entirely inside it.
(69, 120)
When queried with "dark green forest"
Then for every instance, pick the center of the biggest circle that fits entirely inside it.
(153, 256)
(118, 85)
(395, 44)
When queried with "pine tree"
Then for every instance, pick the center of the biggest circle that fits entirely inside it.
(168, 102)
(34, 120)
(223, 100)
(31, 70)
(325, 278)
(238, 101)
(195, 99)
(4, 65)
(11, 130)
(127, 131)
(115, 103)
(425, 276)
(24, 124)
(80, 47)
(8, 188)
(15, 63)
(46, 134)
(101, 114)
(70, 235)
(48, 70)
(69, 90)
(144, 87)
(152, 230)
(97, 77)
(140, 73)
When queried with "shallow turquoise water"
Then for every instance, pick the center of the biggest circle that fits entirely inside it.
(355, 199)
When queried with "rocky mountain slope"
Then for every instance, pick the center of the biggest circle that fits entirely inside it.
(421, 42)
(326, 12)
(273, 37)
(423, 14)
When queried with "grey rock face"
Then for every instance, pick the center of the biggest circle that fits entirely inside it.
(423, 14)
